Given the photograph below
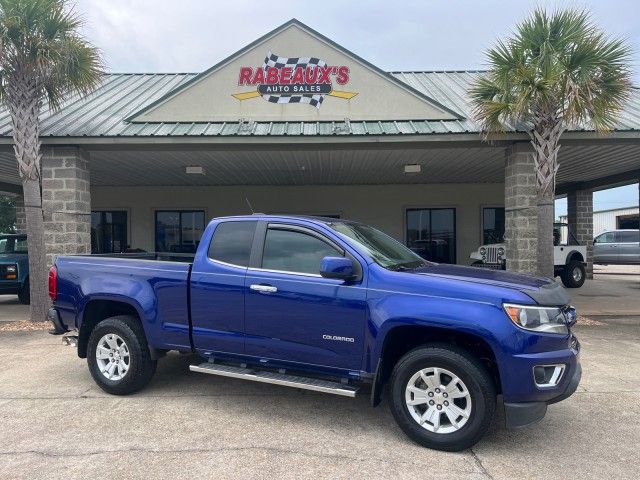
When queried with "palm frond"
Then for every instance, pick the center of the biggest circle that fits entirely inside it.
(559, 63)
(39, 39)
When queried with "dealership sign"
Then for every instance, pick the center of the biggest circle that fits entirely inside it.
(294, 80)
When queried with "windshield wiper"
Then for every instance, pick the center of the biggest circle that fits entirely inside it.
(406, 267)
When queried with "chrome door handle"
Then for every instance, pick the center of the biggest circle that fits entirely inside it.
(264, 288)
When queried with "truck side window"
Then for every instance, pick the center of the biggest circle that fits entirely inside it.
(605, 238)
(232, 242)
(292, 251)
(628, 237)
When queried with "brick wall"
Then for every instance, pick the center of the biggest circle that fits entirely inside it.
(521, 210)
(66, 202)
(580, 220)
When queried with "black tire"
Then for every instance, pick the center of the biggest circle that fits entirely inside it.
(24, 294)
(468, 369)
(141, 366)
(568, 278)
(477, 263)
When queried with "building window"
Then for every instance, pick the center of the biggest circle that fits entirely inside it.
(108, 231)
(492, 225)
(624, 222)
(179, 231)
(431, 233)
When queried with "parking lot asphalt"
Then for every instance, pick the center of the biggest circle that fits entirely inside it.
(12, 310)
(56, 423)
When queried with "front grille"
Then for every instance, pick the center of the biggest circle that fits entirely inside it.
(492, 255)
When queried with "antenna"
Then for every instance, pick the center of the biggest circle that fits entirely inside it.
(249, 204)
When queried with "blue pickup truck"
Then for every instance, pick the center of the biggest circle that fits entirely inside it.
(332, 306)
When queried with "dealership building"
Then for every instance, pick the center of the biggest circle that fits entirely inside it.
(296, 124)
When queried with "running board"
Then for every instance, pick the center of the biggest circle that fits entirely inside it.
(276, 378)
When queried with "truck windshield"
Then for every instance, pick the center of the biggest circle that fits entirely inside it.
(10, 244)
(384, 250)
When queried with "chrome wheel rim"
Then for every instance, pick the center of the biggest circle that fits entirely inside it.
(112, 357)
(577, 274)
(438, 400)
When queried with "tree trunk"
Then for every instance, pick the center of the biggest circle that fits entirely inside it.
(38, 273)
(545, 139)
(24, 100)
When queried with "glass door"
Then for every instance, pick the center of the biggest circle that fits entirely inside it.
(179, 231)
(109, 231)
(431, 233)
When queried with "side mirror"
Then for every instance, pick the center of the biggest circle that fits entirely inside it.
(337, 267)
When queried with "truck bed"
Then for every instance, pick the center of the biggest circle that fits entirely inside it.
(157, 289)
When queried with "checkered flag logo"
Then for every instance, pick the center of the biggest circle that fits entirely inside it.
(272, 60)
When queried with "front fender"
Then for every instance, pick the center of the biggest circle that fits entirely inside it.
(483, 320)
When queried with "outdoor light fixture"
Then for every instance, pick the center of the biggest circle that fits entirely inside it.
(413, 168)
(194, 170)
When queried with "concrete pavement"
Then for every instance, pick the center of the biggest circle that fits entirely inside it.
(56, 423)
(12, 310)
(614, 292)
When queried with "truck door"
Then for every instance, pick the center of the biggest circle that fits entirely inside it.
(628, 246)
(294, 314)
(605, 250)
(217, 288)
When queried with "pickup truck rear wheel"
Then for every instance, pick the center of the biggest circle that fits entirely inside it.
(118, 355)
(573, 274)
(442, 397)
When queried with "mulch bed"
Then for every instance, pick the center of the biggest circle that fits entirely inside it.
(588, 321)
(24, 326)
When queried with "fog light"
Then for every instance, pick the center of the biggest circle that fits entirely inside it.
(547, 376)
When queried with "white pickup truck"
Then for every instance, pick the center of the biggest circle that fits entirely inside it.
(569, 257)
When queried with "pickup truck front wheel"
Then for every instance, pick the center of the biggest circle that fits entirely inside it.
(118, 356)
(442, 397)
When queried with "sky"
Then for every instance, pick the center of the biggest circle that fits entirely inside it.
(609, 199)
(192, 35)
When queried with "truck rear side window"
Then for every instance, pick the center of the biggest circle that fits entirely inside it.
(232, 243)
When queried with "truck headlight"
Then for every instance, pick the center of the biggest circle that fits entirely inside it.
(500, 251)
(483, 250)
(11, 272)
(539, 319)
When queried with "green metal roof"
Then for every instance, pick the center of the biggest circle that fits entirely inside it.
(104, 112)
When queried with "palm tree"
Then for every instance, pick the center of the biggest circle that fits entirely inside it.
(43, 58)
(557, 71)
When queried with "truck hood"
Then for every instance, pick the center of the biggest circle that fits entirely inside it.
(543, 290)
(11, 258)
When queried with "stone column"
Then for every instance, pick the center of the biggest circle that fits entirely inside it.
(521, 210)
(21, 218)
(580, 220)
(66, 202)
